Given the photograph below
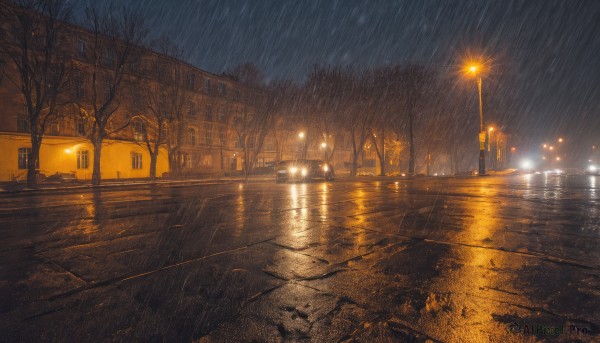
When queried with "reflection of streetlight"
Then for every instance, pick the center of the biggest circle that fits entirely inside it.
(473, 69)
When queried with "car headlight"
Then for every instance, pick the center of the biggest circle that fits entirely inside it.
(293, 170)
(593, 169)
(304, 171)
(326, 168)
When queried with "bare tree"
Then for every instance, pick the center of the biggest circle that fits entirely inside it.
(246, 73)
(165, 101)
(32, 40)
(323, 99)
(115, 47)
(361, 116)
(416, 82)
(256, 121)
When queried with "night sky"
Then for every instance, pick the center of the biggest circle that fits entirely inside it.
(545, 75)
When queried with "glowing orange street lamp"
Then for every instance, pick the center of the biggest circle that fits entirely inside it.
(474, 70)
(560, 140)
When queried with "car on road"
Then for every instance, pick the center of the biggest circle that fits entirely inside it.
(302, 171)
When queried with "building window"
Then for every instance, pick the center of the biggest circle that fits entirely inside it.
(222, 89)
(191, 81)
(137, 97)
(79, 85)
(109, 58)
(139, 130)
(192, 136)
(24, 156)
(223, 115)
(207, 86)
(187, 160)
(81, 49)
(136, 160)
(80, 126)
(107, 88)
(222, 137)
(134, 66)
(207, 160)
(83, 159)
(192, 108)
(22, 124)
(209, 137)
(161, 71)
(54, 129)
(208, 115)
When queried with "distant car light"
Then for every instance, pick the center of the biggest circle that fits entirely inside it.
(526, 164)
(293, 170)
(304, 171)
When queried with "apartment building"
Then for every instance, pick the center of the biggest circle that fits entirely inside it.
(204, 129)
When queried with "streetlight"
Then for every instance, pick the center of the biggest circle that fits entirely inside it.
(301, 144)
(473, 69)
(324, 147)
(491, 156)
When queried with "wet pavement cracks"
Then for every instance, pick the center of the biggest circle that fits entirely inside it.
(450, 260)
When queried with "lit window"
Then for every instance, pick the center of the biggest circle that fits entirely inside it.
(207, 160)
(83, 161)
(187, 159)
(136, 160)
(24, 156)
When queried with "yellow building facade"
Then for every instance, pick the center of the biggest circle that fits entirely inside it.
(119, 159)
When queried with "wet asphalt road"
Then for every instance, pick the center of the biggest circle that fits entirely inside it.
(454, 260)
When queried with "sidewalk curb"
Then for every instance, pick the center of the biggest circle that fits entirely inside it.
(131, 185)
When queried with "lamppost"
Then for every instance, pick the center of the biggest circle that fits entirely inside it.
(474, 70)
(324, 147)
(491, 156)
(301, 145)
